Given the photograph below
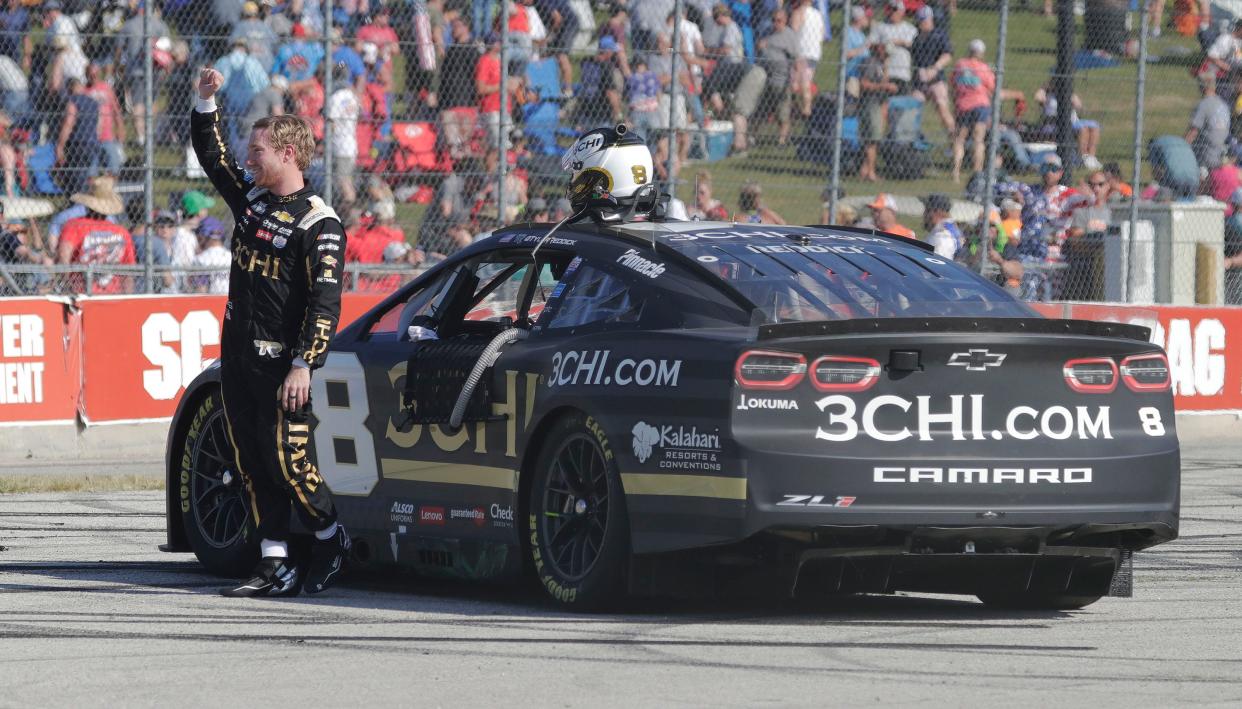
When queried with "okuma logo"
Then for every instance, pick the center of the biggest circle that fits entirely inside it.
(646, 437)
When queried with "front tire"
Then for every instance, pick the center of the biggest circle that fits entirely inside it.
(1036, 601)
(215, 507)
(578, 525)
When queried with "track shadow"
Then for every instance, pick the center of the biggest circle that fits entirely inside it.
(378, 588)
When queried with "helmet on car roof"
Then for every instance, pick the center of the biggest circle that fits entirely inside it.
(609, 167)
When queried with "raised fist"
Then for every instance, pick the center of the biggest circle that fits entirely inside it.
(209, 82)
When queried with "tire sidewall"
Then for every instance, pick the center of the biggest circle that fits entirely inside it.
(605, 583)
(237, 559)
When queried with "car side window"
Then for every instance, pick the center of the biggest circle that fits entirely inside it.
(595, 296)
(400, 313)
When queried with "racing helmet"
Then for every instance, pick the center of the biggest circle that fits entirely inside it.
(609, 167)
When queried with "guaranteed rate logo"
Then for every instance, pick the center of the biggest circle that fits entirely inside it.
(474, 514)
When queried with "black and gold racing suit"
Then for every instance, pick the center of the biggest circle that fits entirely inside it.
(284, 304)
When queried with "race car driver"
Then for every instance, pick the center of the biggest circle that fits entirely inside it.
(284, 302)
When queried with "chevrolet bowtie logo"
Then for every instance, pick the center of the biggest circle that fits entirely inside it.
(976, 360)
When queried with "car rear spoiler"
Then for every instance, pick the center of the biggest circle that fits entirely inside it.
(1037, 326)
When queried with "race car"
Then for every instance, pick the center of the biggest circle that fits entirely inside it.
(683, 408)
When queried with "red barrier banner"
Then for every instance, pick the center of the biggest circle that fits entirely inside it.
(39, 360)
(140, 352)
(1206, 371)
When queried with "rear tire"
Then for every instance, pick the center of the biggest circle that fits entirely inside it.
(1034, 600)
(578, 524)
(215, 508)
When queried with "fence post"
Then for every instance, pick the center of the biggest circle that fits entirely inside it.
(1138, 150)
(672, 105)
(1063, 87)
(329, 119)
(835, 181)
(148, 149)
(502, 163)
(989, 184)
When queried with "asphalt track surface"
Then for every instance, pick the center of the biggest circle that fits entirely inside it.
(92, 615)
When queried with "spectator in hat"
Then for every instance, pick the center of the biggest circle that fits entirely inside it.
(857, 48)
(973, 84)
(195, 205)
(942, 232)
(1208, 131)
(897, 35)
(1011, 217)
(20, 245)
(600, 87)
(92, 240)
(728, 49)
(778, 54)
(884, 216)
(258, 36)
(931, 52)
(214, 255)
(300, 57)
(875, 88)
(179, 248)
(1225, 53)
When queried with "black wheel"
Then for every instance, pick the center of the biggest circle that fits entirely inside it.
(215, 508)
(1037, 601)
(579, 530)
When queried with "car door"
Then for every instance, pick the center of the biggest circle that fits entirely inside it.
(385, 437)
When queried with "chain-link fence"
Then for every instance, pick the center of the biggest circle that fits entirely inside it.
(439, 120)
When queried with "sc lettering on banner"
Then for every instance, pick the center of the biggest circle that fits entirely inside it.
(175, 347)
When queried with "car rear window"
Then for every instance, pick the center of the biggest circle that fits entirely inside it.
(804, 275)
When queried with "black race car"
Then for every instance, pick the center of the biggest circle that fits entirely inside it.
(691, 407)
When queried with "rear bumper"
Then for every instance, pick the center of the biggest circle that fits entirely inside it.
(1132, 501)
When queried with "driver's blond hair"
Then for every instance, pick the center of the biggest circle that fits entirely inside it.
(288, 129)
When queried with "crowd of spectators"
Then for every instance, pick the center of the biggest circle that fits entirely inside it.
(410, 102)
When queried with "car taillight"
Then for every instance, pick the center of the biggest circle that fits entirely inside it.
(759, 369)
(831, 373)
(1097, 375)
(1149, 372)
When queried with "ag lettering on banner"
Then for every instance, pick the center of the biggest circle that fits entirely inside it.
(1205, 359)
(38, 361)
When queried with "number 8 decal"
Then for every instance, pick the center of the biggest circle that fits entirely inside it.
(1149, 416)
(344, 446)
